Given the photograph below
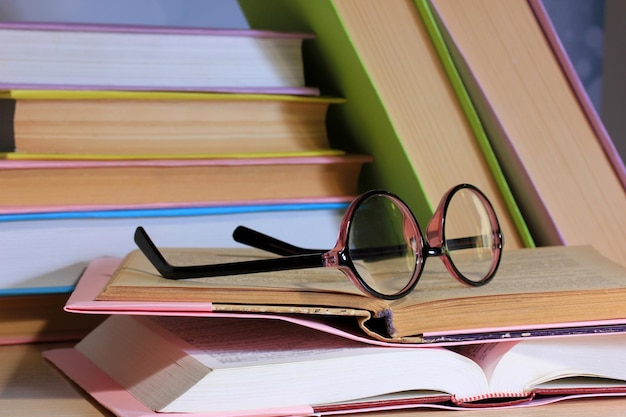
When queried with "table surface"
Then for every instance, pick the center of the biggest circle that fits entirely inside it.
(30, 386)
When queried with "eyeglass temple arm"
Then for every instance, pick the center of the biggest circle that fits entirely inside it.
(262, 241)
(247, 236)
(167, 270)
(469, 242)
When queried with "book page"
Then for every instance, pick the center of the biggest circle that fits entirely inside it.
(217, 343)
(578, 362)
(573, 275)
(267, 354)
(486, 355)
(537, 270)
(547, 269)
(551, 365)
(532, 362)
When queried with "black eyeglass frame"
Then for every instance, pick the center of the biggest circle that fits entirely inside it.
(294, 257)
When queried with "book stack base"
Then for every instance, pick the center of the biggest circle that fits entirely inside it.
(305, 353)
(87, 155)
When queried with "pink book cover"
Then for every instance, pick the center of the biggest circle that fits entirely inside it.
(99, 271)
(121, 403)
(568, 68)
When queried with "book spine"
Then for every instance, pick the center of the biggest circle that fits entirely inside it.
(499, 399)
(7, 131)
(27, 164)
(474, 120)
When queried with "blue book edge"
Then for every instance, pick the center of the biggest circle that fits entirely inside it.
(169, 212)
(61, 289)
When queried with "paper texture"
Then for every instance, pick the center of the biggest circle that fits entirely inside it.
(108, 393)
(83, 300)
(77, 163)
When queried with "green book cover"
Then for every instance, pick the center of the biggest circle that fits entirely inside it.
(362, 124)
(465, 100)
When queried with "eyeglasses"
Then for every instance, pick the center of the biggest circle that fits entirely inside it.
(380, 247)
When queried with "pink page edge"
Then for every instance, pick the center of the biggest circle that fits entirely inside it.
(115, 398)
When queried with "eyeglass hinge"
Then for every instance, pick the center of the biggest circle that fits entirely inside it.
(330, 259)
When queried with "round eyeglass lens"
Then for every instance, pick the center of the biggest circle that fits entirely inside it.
(471, 234)
(382, 241)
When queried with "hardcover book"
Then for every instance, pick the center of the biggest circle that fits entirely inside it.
(249, 367)
(119, 57)
(146, 183)
(65, 241)
(149, 124)
(401, 103)
(568, 189)
(535, 292)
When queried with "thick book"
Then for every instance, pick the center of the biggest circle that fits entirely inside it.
(79, 123)
(32, 386)
(567, 188)
(177, 181)
(536, 291)
(63, 242)
(119, 57)
(402, 106)
(248, 366)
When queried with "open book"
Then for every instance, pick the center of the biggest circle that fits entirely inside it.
(221, 365)
(533, 288)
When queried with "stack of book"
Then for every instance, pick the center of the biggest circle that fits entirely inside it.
(442, 91)
(423, 99)
(309, 343)
(105, 128)
(565, 172)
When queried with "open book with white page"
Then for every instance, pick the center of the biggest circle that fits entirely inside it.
(555, 362)
(248, 366)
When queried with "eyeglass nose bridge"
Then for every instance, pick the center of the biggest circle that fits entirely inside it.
(429, 251)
